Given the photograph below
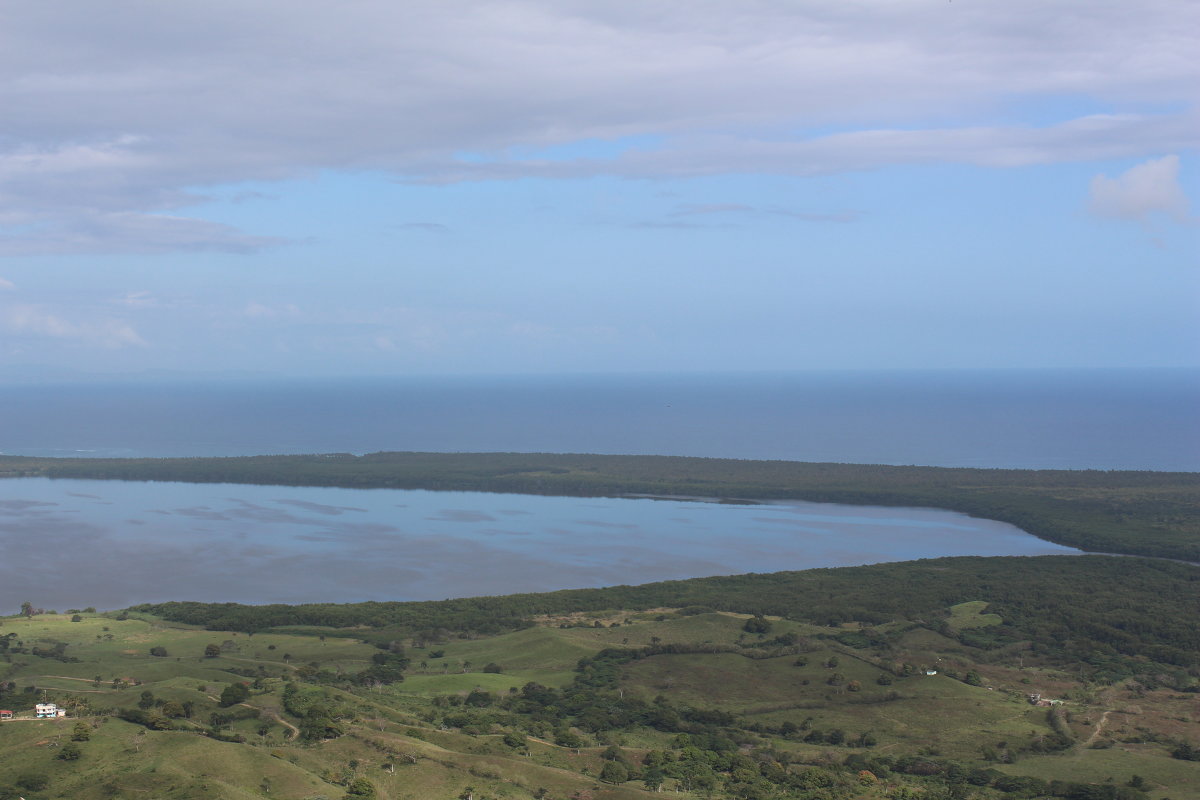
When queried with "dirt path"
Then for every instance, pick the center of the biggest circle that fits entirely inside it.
(1099, 729)
(274, 717)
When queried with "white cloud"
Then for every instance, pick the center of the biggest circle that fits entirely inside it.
(430, 227)
(7, 285)
(256, 310)
(741, 209)
(142, 299)
(1085, 139)
(37, 322)
(125, 232)
(1151, 187)
(109, 125)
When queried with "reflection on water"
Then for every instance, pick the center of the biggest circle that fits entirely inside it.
(110, 544)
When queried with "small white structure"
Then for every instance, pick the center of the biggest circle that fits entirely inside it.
(931, 672)
(44, 710)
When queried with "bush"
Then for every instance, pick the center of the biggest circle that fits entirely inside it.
(233, 694)
(69, 752)
(360, 788)
(32, 781)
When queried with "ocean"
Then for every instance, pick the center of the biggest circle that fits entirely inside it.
(1037, 419)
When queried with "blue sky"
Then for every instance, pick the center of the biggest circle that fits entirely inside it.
(372, 188)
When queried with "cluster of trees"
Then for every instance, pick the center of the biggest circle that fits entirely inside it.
(320, 716)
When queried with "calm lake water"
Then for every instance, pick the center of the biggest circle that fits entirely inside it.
(76, 543)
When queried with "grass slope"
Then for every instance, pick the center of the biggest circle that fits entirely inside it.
(419, 739)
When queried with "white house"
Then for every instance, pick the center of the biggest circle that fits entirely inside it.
(43, 710)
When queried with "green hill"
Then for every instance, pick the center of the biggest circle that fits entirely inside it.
(739, 687)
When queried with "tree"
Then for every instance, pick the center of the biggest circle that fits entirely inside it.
(160, 652)
(212, 651)
(82, 732)
(493, 667)
(27, 609)
(76, 618)
(614, 772)
(233, 694)
(654, 779)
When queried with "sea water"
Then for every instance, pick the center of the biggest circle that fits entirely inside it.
(1097, 419)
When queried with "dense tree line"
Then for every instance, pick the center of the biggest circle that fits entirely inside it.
(1107, 611)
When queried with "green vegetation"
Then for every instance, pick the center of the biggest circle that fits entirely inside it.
(1139, 513)
(944, 679)
(741, 687)
(1148, 610)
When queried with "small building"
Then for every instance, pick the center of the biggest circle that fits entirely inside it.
(5, 713)
(45, 710)
(931, 672)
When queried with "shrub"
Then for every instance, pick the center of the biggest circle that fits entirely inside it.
(32, 781)
(69, 752)
(233, 694)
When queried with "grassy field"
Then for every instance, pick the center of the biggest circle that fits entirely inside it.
(423, 737)
(1165, 777)
(971, 615)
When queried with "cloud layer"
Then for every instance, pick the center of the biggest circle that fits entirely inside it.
(114, 123)
(1149, 188)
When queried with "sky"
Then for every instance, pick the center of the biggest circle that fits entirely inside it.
(573, 186)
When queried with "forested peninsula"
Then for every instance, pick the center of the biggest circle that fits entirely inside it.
(1134, 513)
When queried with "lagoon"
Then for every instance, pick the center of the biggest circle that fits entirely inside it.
(110, 544)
